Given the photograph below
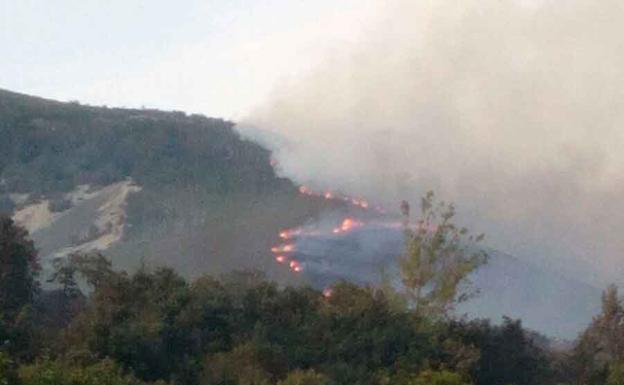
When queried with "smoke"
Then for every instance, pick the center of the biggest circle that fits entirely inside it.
(511, 109)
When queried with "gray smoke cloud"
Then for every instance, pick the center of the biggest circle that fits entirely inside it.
(511, 109)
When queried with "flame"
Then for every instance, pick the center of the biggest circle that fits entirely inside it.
(329, 195)
(347, 225)
(289, 233)
(295, 266)
(327, 292)
(285, 251)
(305, 190)
(283, 248)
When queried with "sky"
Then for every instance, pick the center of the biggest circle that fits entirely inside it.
(512, 109)
(219, 57)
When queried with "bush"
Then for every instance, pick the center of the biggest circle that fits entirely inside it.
(7, 372)
(49, 372)
(59, 204)
(444, 377)
(308, 377)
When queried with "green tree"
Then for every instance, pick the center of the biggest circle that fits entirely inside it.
(132, 319)
(47, 372)
(439, 257)
(602, 343)
(304, 377)
(507, 353)
(64, 274)
(443, 377)
(7, 370)
(241, 366)
(18, 269)
(18, 287)
(616, 374)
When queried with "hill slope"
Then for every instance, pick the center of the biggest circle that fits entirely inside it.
(202, 199)
(186, 191)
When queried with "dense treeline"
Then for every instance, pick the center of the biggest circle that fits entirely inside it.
(236, 329)
(103, 326)
(49, 147)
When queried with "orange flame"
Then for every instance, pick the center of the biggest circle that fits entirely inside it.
(288, 234)
(361, 203)
(295, 266)
(347, 225)
(280, 259)
(305, 190)
(283, 248)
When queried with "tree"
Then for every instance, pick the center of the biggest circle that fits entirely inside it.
(508, 354)
(7, 371)
(18, 269)
(616, 374)
(444, 377)
(439, 257)
(47, 372)
(132, 319)
(18, 287)
(71, 298)
(602, 343)
(307, 377)
(243, 365)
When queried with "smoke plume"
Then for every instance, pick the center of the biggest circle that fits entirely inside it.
(511, 109)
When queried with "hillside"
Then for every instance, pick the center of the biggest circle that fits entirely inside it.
(166, 188)
(200, 198)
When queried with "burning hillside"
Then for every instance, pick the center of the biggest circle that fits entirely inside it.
(355, 243)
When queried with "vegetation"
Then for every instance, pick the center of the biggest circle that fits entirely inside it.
(100, 325)
(439, 257)
(103, 326)
(50, 147)
(194, 172)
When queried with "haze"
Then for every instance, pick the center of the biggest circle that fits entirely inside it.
(511, 109)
